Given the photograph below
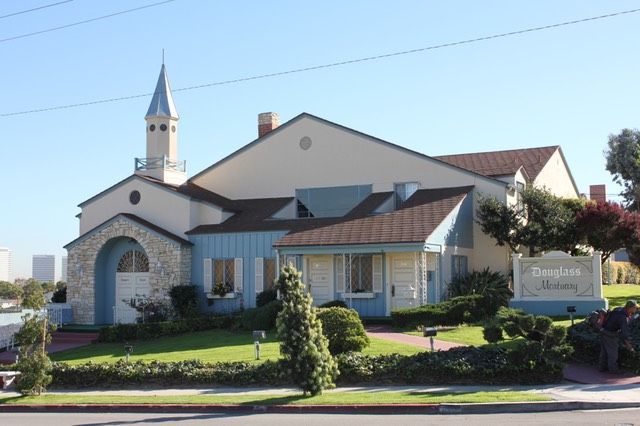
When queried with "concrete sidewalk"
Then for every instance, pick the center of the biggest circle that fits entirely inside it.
(565, 397)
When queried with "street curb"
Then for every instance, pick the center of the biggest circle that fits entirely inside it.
(484, 408)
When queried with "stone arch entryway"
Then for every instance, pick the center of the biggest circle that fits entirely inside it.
(101, 260)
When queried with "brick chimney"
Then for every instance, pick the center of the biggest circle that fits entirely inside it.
(267, 121)
(598, 193)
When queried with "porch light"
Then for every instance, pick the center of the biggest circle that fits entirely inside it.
(257, 335)
(571, 310)
(430, 332)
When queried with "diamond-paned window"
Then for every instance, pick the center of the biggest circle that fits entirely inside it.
(223, 272)
(361, 273)
(133, 261)
(269, 273)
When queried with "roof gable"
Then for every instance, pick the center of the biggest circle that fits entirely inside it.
(502, 163)
(149, 226)
(307, 116)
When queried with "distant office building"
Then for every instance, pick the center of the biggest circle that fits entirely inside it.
(43, 268)
(63, 269)
(5, 264)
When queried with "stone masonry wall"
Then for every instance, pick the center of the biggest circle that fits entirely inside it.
(169, 265)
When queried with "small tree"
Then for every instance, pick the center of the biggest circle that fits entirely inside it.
(34, 363)
(546, 222)
(607, 227)
(623, 162)
(303, 346)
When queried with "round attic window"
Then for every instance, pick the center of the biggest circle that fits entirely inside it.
(152, 127)
(305, 142)
(134, 197)
(163, 127)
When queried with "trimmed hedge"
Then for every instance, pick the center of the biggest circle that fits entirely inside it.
(464, 365)
(334, 304)
(129, 332)
(344, 330)
(262, 318)
(455, 311)
(586, 346)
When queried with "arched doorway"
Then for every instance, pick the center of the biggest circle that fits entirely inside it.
(132, 285)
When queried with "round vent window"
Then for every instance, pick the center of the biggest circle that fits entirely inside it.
(305, 142)
(163, 127)
(134, 197)
(152, 127)
(173, 129)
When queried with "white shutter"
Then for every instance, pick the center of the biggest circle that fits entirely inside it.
(376, 262)
(259, 275)
(237, 278)
(207, 279)
(340, 274)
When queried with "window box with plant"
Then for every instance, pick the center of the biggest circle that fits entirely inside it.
(223, 290)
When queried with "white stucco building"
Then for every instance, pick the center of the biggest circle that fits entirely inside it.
(367, 221)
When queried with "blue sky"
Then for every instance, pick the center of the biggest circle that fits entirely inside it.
(570, 86)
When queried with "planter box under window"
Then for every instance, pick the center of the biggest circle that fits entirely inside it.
(358, 295)
(217, 296)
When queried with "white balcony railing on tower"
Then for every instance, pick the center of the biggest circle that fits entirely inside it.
(163, 162)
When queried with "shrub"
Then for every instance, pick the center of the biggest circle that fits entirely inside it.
(184, 300)
(493, 285)
(464, 365)
(452, 312)
(262, 318)
(128, 332)
(302, 345)
(344, 330)
(586, 346)
(334, 304)
(544, 341)
(60, 295)
(269, 295)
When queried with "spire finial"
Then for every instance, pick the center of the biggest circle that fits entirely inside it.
(162, 56)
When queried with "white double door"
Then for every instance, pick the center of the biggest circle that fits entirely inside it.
(130, 285)
(319, 271)
(403, 281)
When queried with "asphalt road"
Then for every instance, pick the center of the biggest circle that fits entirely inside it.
(582, 418)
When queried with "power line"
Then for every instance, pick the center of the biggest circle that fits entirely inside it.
(330, 65)
(98, 18)
(35, 8)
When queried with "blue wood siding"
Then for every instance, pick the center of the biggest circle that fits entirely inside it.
(245, 245)
(456, 229)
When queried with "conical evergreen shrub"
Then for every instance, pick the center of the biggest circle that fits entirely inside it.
(302, 344)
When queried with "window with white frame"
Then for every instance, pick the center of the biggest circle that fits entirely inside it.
(459, 265)
(358, 273)
(403, 191)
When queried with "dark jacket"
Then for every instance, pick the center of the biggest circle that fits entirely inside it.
(618, 322)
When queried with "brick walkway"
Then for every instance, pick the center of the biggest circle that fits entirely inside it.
(60, 341)
(386, 333)
(578, 373)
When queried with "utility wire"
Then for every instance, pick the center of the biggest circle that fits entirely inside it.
(86, 21)
(35, 8)
(330, 65)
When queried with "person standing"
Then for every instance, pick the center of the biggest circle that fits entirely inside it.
(616, 328)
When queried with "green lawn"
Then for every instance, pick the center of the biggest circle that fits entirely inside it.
(618, 294)
(413, 397)
(208, 346)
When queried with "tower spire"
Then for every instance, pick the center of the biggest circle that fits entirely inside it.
(162, 102)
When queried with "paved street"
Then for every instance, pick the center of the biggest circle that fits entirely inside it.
(583, 418)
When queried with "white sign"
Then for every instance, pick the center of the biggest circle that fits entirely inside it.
(557, 276)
